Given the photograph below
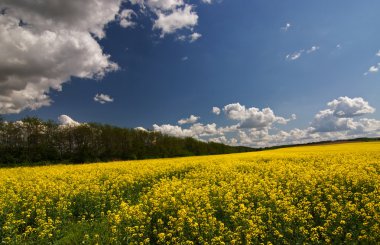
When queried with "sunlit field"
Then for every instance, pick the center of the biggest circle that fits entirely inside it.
(314, 194)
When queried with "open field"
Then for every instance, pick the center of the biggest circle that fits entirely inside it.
(314, 194)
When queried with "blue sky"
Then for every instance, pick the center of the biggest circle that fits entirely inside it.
(293, 57)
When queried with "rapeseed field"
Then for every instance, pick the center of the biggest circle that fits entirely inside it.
(314, 195)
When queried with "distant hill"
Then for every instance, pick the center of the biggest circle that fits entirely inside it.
(327, 142)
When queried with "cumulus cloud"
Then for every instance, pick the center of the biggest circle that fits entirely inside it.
(340, 120)
(350, 107)
(55, 43)
(378, 53)
(216, 110)
(171, 15)
(326, 121)
(252, 117)
(340, 115)
(286, 27)
(58, 40)
(368, 127)
(191, 119)
(197, 130)
(65, 120)
(83, 16)
(221, 139)
(176, 19)
(103, 98)
(172, 130)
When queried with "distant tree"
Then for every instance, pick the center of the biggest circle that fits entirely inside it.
(34, 141)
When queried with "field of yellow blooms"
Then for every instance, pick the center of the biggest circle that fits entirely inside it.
(314, 194)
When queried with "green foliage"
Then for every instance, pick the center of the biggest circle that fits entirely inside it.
(33, 141)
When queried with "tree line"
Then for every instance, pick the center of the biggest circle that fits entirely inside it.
(34, 141)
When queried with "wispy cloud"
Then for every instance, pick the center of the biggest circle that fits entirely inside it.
(191, 38)
(286, 27)
(296, 55)
(312, 49)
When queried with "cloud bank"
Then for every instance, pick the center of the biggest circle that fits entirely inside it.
(342, 119)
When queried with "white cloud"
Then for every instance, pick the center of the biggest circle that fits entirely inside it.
(184, 58)
(252, 117)
(172, 15)
(175, 20)
(173, 130)
(141, 129)
(191, 38)
(221, 139)
(207, 1)
(103, 98)
(55, 44)
(67, 121)
(164, 4)
(125, 18)
(60, 40)
(216, 110)
(350, 107)
(378, 53)
(82, 16)
(195, 36)
(255, 126)
(366, 125)
(373, 69)
(312, 49)
(338, 46)
(326, 121)
(340, 115)
(197, 130)
(286, 27)
(191, 119)
(181, 38)
(296, 55)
